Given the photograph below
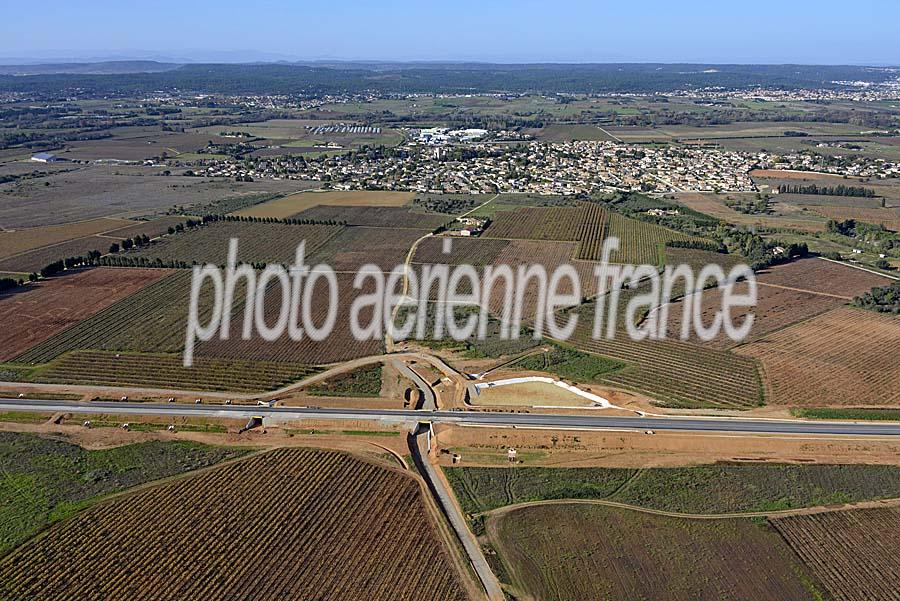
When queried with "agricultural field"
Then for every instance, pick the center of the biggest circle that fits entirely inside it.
(463, 251)
(340, 345)
(589, 224)
(824, 200)
(38, 257)
(889, 218)
(765, 130)
(105, 368)
(19, 241)
(375, 216)
(354, 247)
(550, 255)
(702, 489)
(570, 552)
(852, 553)
(151, 228)
(257, 242)
(695, 377)
(490, 205)
(94, 191)
(592, 231)
(843, 357)
(568, 133)
(153, 319)
(288, 206)
(361, 382)
(823, 277)
(640, 242)
(46, 480)
(776, 308)
(889, 189)
(35, 260)
(698, 259)
(786, 294)
(344, 528)
(714, 206)
(537, 223)
(43, 309)
(289, 136)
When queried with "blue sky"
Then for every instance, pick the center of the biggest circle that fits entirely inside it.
(800, 31)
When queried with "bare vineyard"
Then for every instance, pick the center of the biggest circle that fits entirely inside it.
(678, 373)
(357, 246)
(340, 345)
(464, 251)
(104, 368)
(592, 232)
(258, 242)
(846, 356)
(537, 223)
(288, 524)
(823, 277)
(853, 553)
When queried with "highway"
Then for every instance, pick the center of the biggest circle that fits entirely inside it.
(469, 418)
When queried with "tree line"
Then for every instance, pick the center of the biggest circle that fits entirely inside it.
(839, 190)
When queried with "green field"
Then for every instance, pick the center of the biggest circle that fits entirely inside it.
(847, 414)
(570, 364)
(575, 552)
(44, 480)
(157, 370)
(362, 382)
(708, 489)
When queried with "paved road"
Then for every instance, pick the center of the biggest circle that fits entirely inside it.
(440, 490)
(522, 420)
(429, 400)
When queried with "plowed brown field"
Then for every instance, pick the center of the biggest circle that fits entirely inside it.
(36, 313)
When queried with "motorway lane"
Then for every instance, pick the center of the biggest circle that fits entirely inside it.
(522, 420)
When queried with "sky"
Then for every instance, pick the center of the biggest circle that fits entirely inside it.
(762, 31)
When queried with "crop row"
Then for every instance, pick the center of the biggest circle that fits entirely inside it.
(36, 313)
(339, 345)
(678, 373)
(463, 251)
(537, 223)
(356, 246)
(845, 356)
(641, 242)
(104, 368)
(291, 523)
(257, 242)
(592, 232)
(853, 553)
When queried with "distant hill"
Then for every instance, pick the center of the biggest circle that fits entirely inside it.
(424, 77)
(101, 68)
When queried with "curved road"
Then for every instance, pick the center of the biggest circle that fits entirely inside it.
(470, 418)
